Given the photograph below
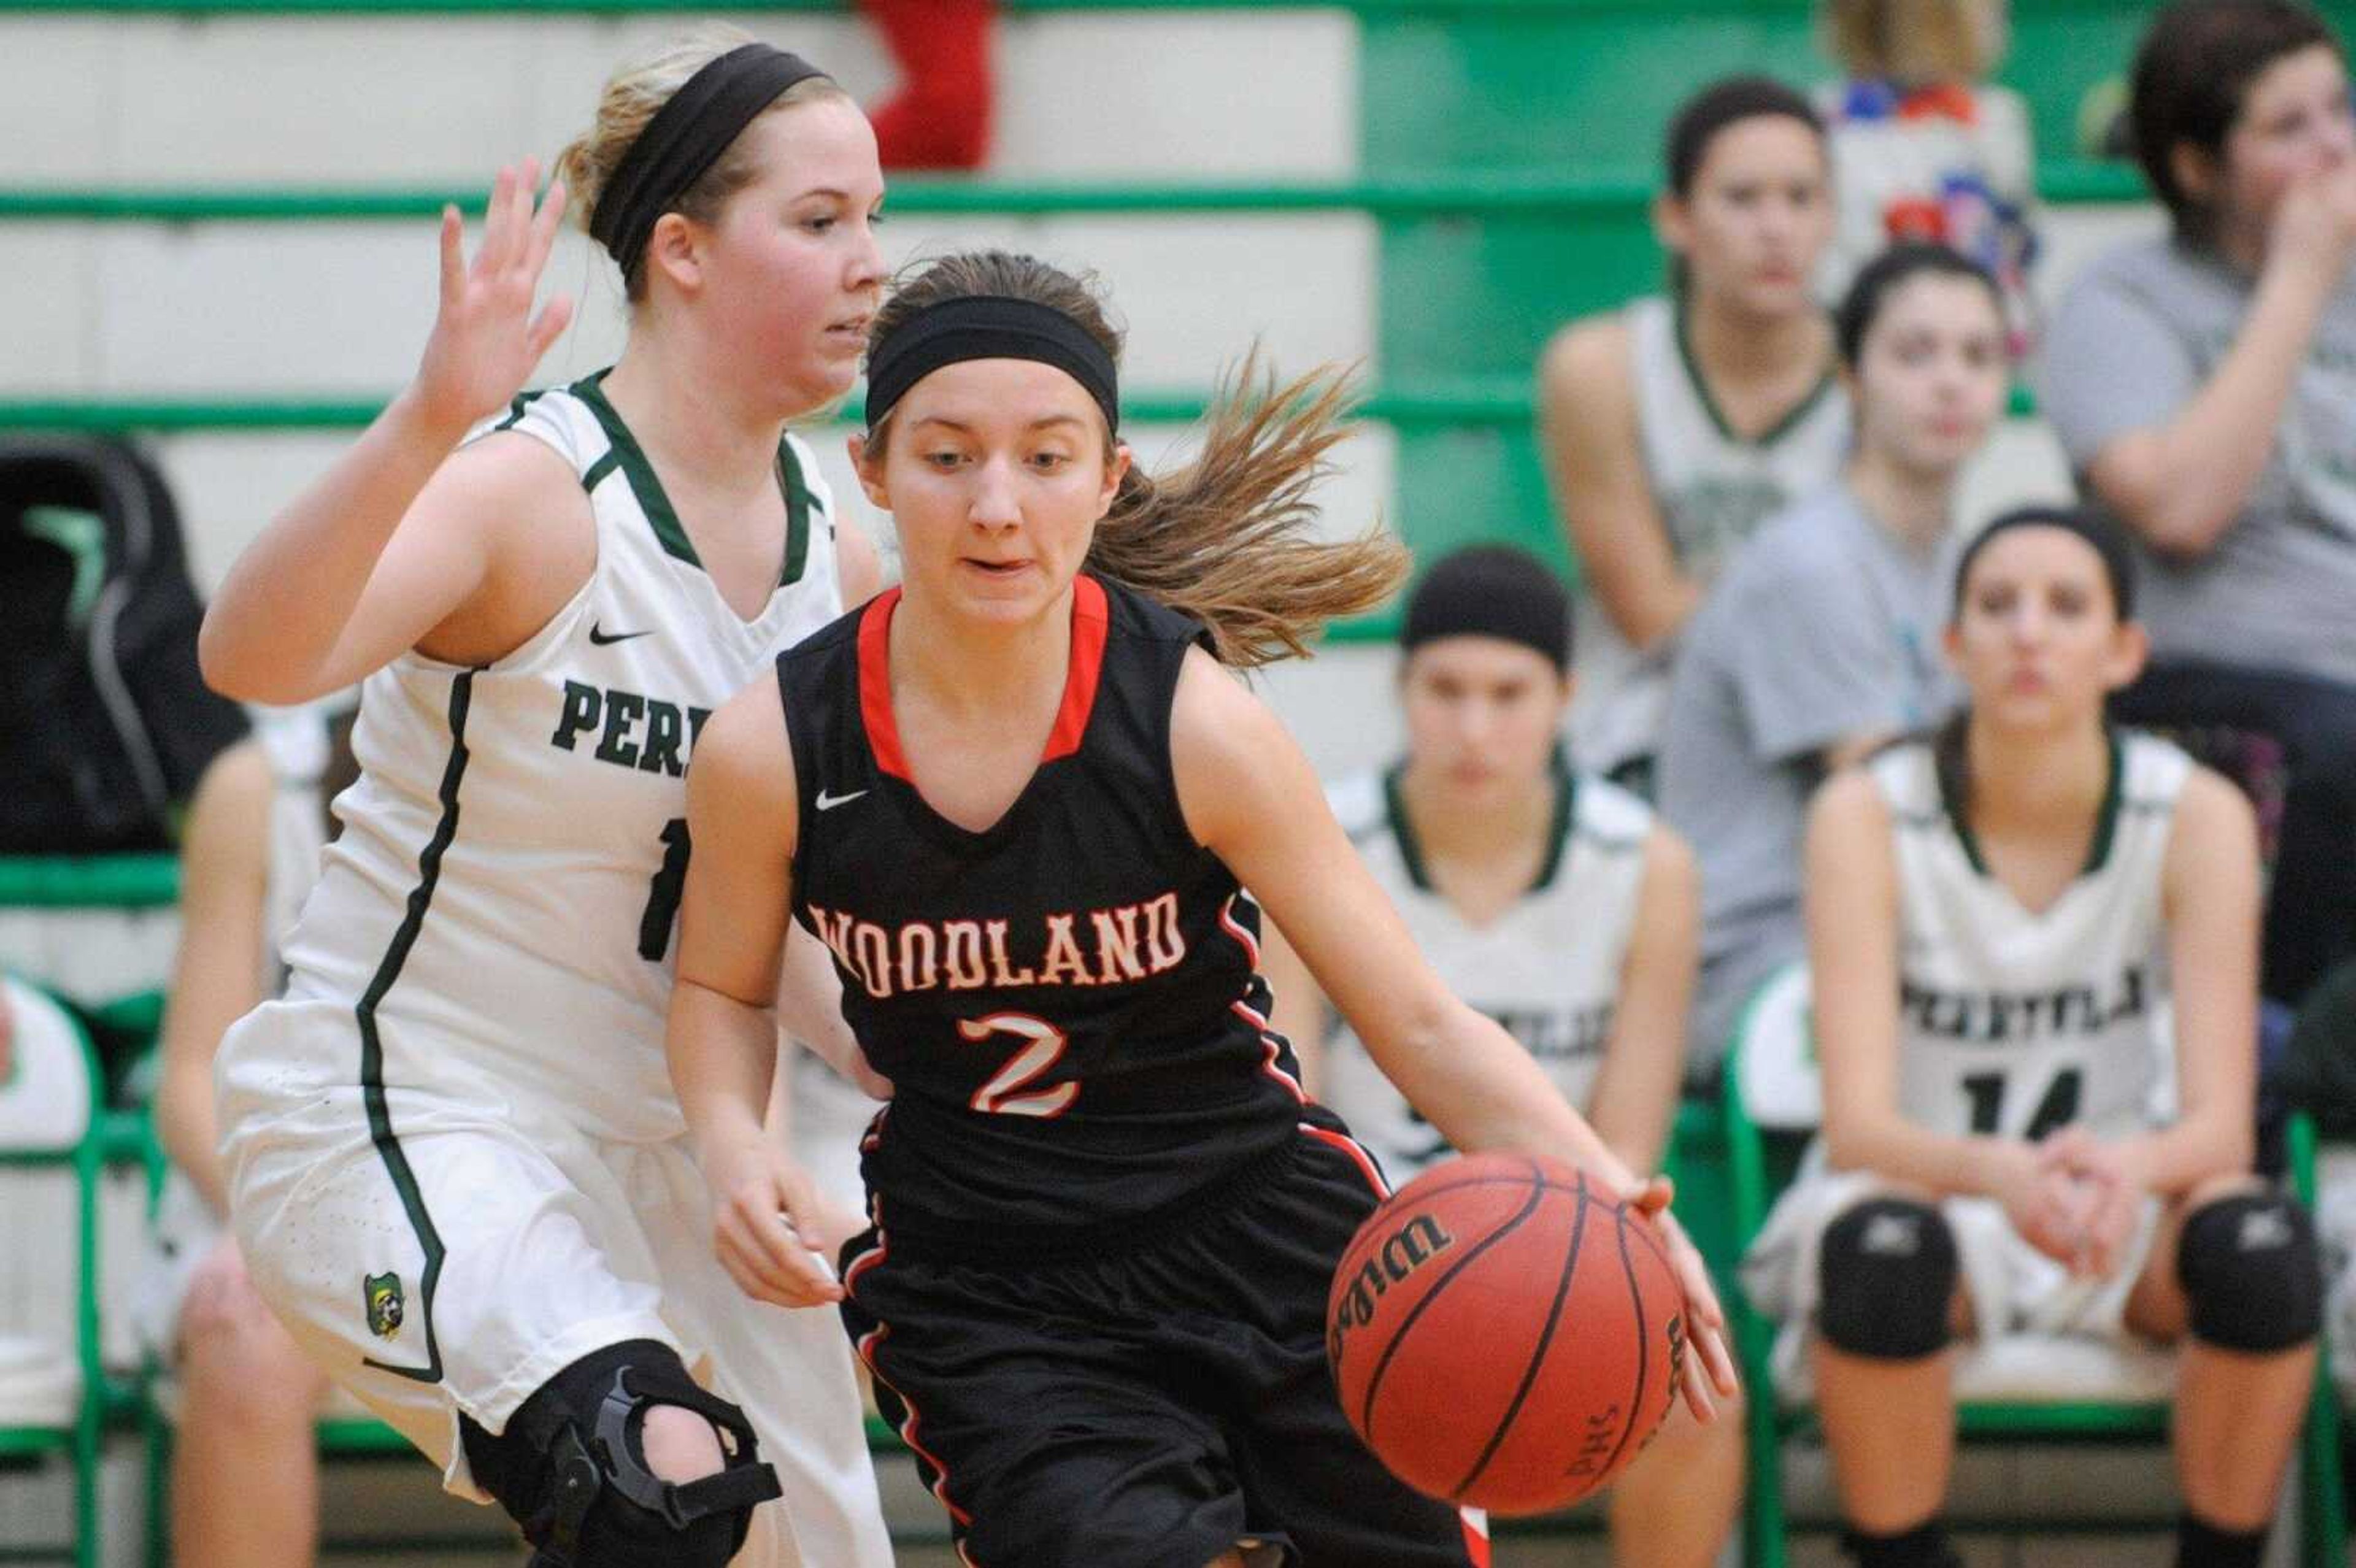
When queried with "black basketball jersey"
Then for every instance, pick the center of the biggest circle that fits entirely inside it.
(1067, 1002)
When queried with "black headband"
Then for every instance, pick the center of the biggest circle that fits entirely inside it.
(988, 326)
(687, 134)
(2102, 535)
(1490, 591)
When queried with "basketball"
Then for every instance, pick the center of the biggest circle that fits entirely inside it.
(1504, 1335)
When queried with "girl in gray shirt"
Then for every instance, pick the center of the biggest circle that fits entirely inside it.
(2204, 385)
(1821, 641)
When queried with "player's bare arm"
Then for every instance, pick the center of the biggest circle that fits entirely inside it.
(1587, 411)
(1636, 1096)
(224, 873)
(722, 1035)
(398, 539)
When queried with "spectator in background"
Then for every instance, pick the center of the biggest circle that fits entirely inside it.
(1822, 640)
(2204, 385)
(1923, 148)
(940, 117)
(1672, 427)
(1550, 901)
(249, 1396)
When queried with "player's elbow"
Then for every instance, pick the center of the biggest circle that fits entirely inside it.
(233, 665)
(2178, 514)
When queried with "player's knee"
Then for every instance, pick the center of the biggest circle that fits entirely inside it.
(604, 1468)
(2250, 1272)
(239, 1367)
(1887, 1276)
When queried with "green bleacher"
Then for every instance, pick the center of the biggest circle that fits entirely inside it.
(1508, 150)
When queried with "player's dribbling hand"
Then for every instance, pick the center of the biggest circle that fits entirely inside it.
(486, 340)
(768, 1226)
(1704, 1317)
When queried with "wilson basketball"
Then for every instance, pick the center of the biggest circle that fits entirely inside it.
(1505, 1334)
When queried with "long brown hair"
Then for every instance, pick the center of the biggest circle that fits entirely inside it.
(1227, 538)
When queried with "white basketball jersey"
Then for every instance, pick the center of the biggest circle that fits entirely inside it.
(2013, 1023)
(1713, 489)
(1549, 968)
(500, 905)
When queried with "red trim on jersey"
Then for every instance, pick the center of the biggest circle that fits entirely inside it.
(1235, 929)
(1272, 1063)
(1091, 621)
(1350, 1146)
(875, 684)
(867, 1343)
(1476, 1535)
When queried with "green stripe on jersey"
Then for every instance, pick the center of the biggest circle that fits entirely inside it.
(380, 1116)
(797, 514)
(623, 447)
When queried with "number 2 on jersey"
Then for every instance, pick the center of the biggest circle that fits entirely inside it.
(1005, 1093)
(2059, 1107)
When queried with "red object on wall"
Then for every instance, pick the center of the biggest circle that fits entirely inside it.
(940, 117)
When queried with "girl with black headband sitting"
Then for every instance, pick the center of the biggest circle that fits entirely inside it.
(453, 1160)
(1020, 799)
(1555, 902)
(2008, 921)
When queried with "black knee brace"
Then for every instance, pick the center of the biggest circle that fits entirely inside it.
(1885, 1276)
(572, 1467)
(2249, 1268)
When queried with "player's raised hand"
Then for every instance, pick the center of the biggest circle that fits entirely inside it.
(769, 1224)
(486, 339)
(1705, 1316)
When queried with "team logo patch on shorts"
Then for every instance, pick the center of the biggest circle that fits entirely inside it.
(382, 1293)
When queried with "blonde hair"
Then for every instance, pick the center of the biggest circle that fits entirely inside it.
(632, 96)
(1227, 538)
(1916, 42)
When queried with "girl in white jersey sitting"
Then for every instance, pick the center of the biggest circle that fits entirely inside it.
(454, 1164)
(1553, 902)
(1674, 427)
(1999, 917)
(249, 854)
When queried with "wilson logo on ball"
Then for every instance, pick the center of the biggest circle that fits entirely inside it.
(1403, 1252)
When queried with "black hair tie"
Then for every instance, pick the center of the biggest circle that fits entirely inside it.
(686, 137)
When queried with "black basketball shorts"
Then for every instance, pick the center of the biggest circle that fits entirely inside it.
(1150, 1404)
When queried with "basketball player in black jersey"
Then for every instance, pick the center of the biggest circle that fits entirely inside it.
(1016, 797)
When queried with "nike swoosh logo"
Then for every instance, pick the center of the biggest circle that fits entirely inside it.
(599, 636)
(828, 801)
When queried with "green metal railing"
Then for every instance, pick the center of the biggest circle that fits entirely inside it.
(1471, 195)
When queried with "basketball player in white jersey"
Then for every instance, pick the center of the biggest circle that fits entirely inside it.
(1552, 901)
(1674, 427)
(455, 1161)
(1998, 916)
